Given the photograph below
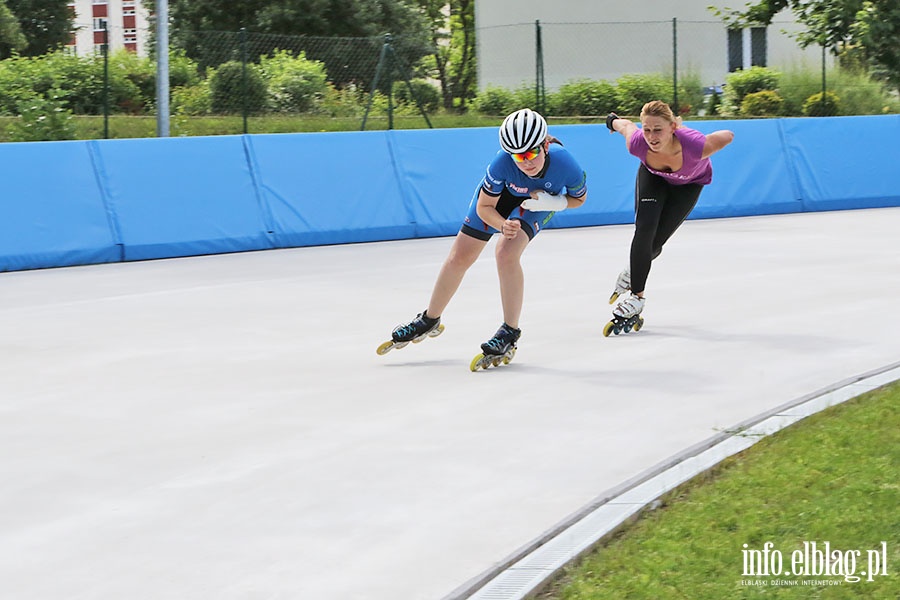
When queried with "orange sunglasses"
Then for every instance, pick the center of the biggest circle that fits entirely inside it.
(521, 157)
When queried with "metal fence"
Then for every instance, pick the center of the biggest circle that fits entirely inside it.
(255, 77)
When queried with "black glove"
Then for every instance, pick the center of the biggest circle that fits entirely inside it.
(609, 121)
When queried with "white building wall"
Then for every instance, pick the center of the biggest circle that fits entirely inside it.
(86, 25)
(604, 40)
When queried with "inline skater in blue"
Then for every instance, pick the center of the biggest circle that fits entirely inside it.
(527, 182)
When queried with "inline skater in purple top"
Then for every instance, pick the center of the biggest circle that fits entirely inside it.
(674, 168)
(530, 179)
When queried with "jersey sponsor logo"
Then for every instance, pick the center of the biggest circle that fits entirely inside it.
(516, 188)
(648, 199)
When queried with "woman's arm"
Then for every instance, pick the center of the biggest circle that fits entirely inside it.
(615, 123)
(715, 141)
(486, 208)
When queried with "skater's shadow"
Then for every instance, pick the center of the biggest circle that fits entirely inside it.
(425, 363)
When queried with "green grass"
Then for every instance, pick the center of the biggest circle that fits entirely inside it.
(126, 126)
(833, 477)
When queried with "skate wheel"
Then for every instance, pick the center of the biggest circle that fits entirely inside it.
(436, 331)
(496, 362)
(614, 297)
(385, 348)
(476, 363)
(607, 329)
(639, 324)
(617, 329)
(509, 356)
(626, 328)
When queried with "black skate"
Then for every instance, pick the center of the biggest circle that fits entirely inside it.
(415, 331)
(499, 349)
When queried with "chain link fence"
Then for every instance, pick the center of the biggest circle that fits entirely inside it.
(252, 82)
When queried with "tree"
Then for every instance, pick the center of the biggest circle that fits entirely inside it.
(46, 24)
(840, 25)
(11, 37)
(452, 27)
(877, 29)
(208, 32)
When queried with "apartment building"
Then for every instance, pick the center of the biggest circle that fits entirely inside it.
(127, 23)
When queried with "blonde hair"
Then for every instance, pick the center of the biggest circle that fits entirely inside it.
(658, 108)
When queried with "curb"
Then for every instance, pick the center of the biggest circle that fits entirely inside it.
(526, 570)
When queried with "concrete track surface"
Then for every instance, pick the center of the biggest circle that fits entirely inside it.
(221, 427)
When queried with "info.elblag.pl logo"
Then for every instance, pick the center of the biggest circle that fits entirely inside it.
(813, 560)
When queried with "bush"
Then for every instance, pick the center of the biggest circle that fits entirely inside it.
(584, 97)
(494, 100)
(192, 100)
(428, 95)
(42, 119)
(819, 105)
(762, 104)
(634, 91)
(749, 81)
(295, 84)
(231, 94)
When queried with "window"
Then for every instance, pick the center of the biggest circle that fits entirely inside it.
(741, 40)
(99, 24)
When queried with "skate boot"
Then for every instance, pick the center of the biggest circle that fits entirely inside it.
(626, 316)
(415, 331)
(623, 284)
(499, 349)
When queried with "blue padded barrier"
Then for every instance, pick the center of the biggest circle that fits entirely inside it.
(440, 173)
(51, 208)
(182, 196)
(751, 176)
(330, 188)
(68, 203)
(845, 162)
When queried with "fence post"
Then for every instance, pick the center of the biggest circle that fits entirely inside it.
(162, 68)
(540, 93)
(243, 39)
(675, 66)
(823, 79)
(382, 58)
(105, 80)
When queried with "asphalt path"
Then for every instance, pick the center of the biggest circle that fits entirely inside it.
(221, 426)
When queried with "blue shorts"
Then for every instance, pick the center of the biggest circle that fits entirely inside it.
(508, 207)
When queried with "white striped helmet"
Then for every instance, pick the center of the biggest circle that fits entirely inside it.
(522, 130)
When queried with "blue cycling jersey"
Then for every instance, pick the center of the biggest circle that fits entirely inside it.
(562, 175)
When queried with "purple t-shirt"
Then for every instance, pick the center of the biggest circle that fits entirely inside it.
(693, 168)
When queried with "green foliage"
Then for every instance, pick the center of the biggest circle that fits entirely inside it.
(633, 91)
(859, 93)
(583, 97)
(192, 100)
(713, 104)
(748, 81)
(42, 119)
(235, 89)
(690, 93)
(877, 30)
(766, 103)
(45, 24)
(822, 105)
(426, 94)
(295, 84)
(12, 40)
(494, 100)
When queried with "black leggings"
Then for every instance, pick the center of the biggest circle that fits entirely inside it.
(659, 209)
